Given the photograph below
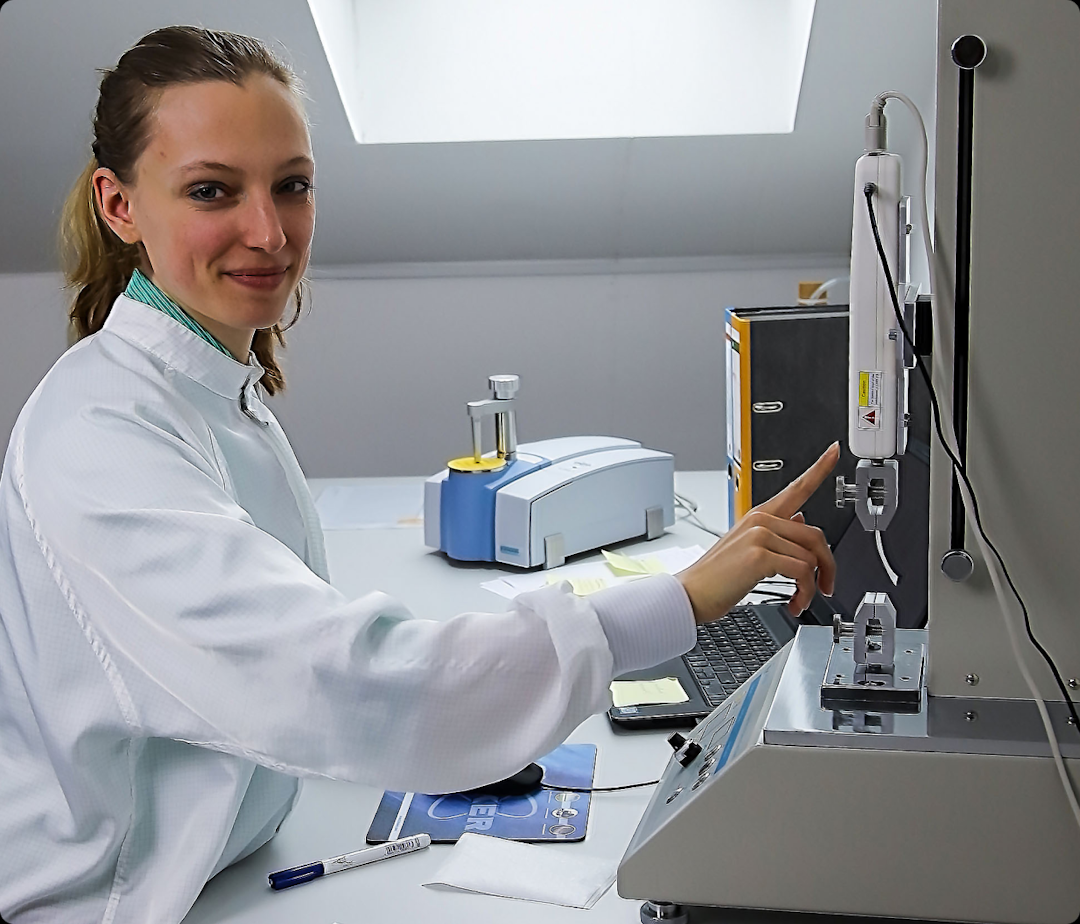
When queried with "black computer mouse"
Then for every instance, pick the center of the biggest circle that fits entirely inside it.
(521, 783)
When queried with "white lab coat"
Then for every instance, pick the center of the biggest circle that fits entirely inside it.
(173, 656)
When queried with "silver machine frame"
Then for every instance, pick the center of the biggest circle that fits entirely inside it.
(944, 804)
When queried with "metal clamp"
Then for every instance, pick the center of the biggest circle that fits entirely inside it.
(865, 670)
(874, 634)
(875, 494)
(502, 405)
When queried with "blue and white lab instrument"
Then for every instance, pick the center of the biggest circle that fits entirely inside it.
(537, 503)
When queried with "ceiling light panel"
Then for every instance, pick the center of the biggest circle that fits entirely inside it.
(413, 71)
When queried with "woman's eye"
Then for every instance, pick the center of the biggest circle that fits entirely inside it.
(207, 193)
(298, 186)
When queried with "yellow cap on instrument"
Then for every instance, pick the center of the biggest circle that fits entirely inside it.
(469, 464)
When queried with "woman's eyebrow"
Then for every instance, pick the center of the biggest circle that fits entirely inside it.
(203, 165)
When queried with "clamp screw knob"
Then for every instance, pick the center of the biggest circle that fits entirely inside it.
(504, 386)
(841, 629)
(845, 493)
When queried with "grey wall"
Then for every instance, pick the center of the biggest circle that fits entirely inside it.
(379, 368)
(614, 198)
(33, 331)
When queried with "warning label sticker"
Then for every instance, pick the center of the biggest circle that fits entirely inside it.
(869, 418)
(870, 389)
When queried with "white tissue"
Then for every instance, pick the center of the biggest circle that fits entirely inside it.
(558, 875)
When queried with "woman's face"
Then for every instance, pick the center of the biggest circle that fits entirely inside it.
(222, 201)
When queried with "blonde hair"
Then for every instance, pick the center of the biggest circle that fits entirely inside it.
(98, 264)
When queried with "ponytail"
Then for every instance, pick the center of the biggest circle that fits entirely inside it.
(264, 341)
(97, 264)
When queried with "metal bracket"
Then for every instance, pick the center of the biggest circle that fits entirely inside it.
(654, 522)
(863, 722)
(554, 551)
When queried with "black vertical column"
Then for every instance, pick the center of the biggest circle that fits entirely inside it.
(968, 52)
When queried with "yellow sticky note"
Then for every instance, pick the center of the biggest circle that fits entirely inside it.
(581, 586)
(624, 564)
(665, 690)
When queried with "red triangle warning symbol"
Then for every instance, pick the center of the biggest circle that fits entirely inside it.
(869, 417)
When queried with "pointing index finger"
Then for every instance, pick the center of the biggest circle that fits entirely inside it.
(789, 501)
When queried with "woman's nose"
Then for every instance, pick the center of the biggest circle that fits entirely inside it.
(262, 225)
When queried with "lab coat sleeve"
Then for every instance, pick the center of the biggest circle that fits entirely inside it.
(645, 622)
(211, 631)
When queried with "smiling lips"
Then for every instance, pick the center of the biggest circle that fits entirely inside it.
(259, 277)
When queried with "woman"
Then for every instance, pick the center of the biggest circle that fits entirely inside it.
(173, 657)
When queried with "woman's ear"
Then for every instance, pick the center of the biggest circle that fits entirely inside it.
(113, 205)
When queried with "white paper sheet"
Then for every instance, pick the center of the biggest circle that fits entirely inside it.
(510, 585)
(552, 873)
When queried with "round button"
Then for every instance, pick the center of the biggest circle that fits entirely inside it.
(968, 52)
(957, 565)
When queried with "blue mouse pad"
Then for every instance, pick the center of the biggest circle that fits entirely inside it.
(543, 815)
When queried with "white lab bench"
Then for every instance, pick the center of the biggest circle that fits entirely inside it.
(332, 817)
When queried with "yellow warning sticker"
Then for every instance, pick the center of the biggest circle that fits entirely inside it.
(870, 389)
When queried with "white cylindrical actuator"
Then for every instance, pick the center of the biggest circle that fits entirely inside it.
(872, 346)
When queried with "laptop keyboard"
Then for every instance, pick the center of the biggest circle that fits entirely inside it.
(728, 652)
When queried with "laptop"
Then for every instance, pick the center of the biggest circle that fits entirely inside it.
(727, 653)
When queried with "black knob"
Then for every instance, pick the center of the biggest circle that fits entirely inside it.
(688, 752)
(676, 741)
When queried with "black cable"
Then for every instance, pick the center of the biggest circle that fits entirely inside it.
(687, 503)
(598, 788)
(772, 595)
(868, 190)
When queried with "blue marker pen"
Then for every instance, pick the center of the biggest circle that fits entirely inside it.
(298, 874)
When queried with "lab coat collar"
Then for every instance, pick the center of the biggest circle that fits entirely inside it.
(181, 349)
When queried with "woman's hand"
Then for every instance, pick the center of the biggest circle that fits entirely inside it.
(771, 539)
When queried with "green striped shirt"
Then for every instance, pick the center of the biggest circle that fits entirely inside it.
(143, 290)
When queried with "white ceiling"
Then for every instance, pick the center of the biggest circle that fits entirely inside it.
(521, 200)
